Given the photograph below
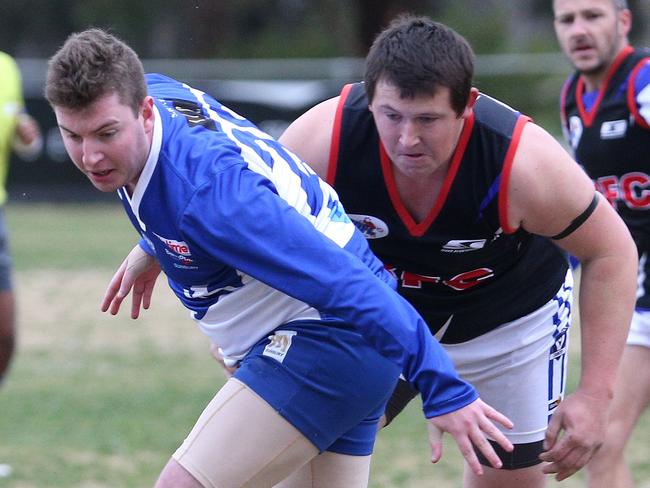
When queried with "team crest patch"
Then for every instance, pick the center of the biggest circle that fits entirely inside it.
(575, 131)
(279, 344)
(371, 227)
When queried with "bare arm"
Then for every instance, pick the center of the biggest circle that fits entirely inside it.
(547, 191)
(310, 135)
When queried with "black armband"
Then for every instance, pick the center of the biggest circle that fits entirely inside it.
(402, 395)
(579, 220)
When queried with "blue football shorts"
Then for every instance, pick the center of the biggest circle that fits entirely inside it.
(325, 380)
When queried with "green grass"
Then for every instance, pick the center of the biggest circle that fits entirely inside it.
(69, 236)
(96, 401)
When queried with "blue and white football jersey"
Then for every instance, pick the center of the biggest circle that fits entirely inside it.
(231, 217)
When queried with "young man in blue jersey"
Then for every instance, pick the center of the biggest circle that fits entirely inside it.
(272, 269)
(606, 118)
(473, 208)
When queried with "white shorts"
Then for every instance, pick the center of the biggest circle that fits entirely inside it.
(639, 334)
(520, 368)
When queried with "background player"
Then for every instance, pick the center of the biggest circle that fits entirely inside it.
(606, 118)
(21, 133)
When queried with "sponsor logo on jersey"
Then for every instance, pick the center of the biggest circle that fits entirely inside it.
(279, 344)
(371, 227)
(176, 248)
(179, 257)
(460, 282)
(613, 129)
(463, 245)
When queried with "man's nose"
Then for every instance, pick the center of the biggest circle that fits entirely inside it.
(409, 134)
(90, 153)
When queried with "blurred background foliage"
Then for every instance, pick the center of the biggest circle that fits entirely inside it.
(317, 45)
(274, 28)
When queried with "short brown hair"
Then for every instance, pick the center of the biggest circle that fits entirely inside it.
(91, 64)
(418, 56)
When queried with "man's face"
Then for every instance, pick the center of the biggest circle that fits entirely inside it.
(590, 32)
(419, 134)
(106, 141)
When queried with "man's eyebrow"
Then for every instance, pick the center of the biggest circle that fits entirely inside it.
(98, 129)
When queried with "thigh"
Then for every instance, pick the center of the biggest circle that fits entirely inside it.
(331, 470)
(520, 369)
(241, 441)
(326, 381)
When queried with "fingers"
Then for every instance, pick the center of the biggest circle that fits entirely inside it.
(146, 296)
(435, 441)
(488, 430)
(138, 272)
(111, 299)
(569, 465)
(497, 436)
(465, 447)
(468, 452)
(566, 457)
(471, 426)
(136, 301)
(497, 416)
(553, 431)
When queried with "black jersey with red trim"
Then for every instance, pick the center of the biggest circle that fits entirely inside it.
(463, 270)
(611, 140)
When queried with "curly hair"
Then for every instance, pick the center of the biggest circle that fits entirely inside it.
(91, 64)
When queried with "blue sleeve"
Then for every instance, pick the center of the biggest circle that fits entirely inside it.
(239, 220)
(144, 245)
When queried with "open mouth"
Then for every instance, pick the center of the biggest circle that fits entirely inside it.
(581, 48)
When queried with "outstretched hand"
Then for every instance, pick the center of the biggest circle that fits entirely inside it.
(574, 434)
(471, 426)
(139, 272)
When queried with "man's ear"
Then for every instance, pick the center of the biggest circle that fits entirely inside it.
(625, 21)
(146, 109)
(471, 101)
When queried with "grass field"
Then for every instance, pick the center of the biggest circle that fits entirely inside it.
(96, 401)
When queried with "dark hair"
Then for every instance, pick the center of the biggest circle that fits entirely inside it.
(418, 56)
(91, 64)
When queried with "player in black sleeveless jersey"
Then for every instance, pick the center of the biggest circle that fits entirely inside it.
(605, 109)
(473, 208)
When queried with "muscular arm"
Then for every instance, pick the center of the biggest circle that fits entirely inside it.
(310, 135)
(547, 191)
